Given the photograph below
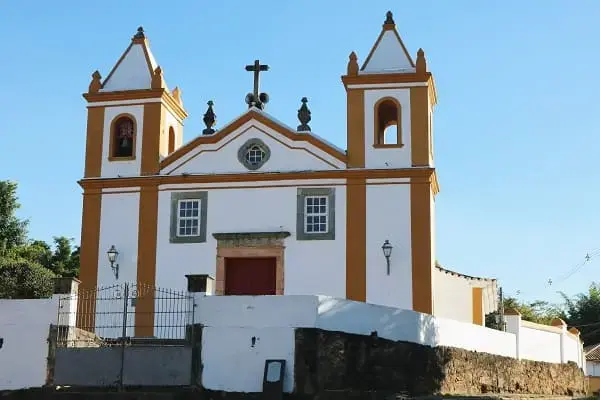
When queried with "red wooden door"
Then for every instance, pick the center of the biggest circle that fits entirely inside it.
(250, 276)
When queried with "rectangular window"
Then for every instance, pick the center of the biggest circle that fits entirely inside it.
(315, 214)
(188, 217)
(188, 220)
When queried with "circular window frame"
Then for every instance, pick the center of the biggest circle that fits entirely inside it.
(244, 149)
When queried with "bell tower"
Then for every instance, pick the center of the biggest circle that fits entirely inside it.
(390, 101)
(134, 120)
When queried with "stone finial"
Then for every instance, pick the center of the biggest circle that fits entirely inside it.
(353, 64)
(157, 79)
(210, 119)
(95, 84)
(304, 116)
(389, 18)
(139, 34)
(177, 95)
(421, 62)
(511, 311)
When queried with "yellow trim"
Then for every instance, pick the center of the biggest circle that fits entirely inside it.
(356, 239)
(89, 256)
(94, 143)
(146, 261)
(153, 125)
(422, 268)
(419, 126)
(355, 125)
(477, 306)
(421, 175)
(138, 94)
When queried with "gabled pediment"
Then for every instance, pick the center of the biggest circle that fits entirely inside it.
(134, 69)
(388, 54)
(284, 149)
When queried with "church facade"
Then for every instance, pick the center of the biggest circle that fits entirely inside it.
(269, 209)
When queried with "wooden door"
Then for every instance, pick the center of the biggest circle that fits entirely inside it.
(250, 276)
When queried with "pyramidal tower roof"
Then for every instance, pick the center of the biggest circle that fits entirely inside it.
(135, 68)
(388, 55)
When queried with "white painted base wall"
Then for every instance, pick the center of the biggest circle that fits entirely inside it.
(231, 323)
(24, 326)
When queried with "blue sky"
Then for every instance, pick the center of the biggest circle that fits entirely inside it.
(516, 133)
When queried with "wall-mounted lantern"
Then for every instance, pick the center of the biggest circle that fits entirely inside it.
(387, 252)
(112, 259)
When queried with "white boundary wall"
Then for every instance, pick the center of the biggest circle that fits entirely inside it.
(242, 332)
(24, 326)
(539, 342)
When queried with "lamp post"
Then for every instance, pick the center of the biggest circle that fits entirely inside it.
(387, 252)
(112, 258)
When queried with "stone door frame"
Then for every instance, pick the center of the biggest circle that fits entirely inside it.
(250, 245)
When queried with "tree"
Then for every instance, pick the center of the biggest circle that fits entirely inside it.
(540, 312)
(36, 251)
(583, 312)
(23, 279)
(13, 231)
(63, 263)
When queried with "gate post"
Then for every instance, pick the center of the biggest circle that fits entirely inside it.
(123, 333)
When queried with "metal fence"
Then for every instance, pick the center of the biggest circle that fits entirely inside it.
(124, 335)
(123, 313)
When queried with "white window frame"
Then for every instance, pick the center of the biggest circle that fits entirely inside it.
(180, 218)
(316, 214)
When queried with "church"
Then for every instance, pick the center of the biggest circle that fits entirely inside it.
(355, 223)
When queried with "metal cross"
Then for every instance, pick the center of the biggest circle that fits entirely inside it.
(256, 68)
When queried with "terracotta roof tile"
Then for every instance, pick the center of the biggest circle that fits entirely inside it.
(592, 353)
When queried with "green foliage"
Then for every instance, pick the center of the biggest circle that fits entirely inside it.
(23, 279)
(540, 312)
(27, 267)
(13, 231)
(583, 312)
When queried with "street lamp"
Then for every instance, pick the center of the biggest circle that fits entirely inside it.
(387, 252)
(112, 258)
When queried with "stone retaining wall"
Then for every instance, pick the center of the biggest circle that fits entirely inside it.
(335, 361)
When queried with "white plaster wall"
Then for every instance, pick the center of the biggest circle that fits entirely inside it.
(286, 154)
(475, 338)
(388, 218)
(593, 368)
(453, 297)
(123, 168)
(132, 73)
(119, 219)
(389, 56)
(310, 266)
(387, 157)
(24, 326)
(539, 345)
(231, 323)
(234, 358)
(257, 311)
(572, 349)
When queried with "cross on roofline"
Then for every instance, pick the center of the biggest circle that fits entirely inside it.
(255, 98)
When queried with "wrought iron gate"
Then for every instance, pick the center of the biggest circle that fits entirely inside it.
(114, 325)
